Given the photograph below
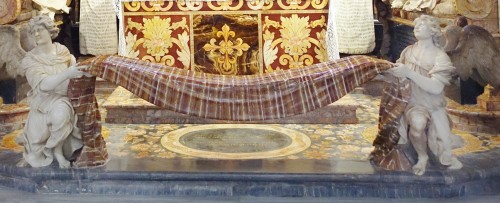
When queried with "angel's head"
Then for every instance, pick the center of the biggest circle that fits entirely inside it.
(428, 27)
(43, 29)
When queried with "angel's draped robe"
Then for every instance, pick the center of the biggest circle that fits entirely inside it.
(42, 134)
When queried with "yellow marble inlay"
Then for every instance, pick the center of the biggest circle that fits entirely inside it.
(300, 142)
(472, 143)
(9, 141)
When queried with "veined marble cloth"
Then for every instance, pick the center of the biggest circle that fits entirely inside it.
(243, 98)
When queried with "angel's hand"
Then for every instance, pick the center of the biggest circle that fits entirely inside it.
(400, 71)
(84, 69)
(74, 72)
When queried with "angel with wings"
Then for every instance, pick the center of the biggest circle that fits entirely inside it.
(421, 119)
(413, 107)
(50, 131)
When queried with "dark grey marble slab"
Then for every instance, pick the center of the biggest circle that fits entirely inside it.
(262, 178)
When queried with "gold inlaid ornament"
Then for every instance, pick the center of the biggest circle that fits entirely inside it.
(158, 40)
(226, 53)
(295, 41)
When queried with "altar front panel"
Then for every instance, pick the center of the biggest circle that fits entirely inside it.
(234, 37)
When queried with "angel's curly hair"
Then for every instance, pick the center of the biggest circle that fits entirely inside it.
(46, 22)
(433, 23)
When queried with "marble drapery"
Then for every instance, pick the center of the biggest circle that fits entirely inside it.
(250, 97)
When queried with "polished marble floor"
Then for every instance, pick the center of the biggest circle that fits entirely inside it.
(333, 163)
(327, 142)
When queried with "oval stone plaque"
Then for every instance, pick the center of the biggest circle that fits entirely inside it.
(236, 141)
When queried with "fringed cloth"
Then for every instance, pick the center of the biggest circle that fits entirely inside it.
(241, 98)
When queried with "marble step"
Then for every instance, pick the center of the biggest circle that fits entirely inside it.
(270, 178)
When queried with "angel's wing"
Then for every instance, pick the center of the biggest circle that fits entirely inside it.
(476, 56)
(11, 52)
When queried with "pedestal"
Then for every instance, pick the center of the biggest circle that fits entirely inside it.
(481, 118)
(490, 99)
(12, 117)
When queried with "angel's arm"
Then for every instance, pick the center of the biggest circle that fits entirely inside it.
(428, 84)
(49, 83)
(439, 76)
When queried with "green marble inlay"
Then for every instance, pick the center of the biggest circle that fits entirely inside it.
(235, 140)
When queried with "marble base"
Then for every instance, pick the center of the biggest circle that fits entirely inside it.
(124, 107)
(13, 117)
(473, 118)
(261, 178)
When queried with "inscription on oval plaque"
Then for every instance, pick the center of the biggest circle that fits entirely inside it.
(236, 141)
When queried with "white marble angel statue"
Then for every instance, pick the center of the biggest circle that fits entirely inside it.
(50, 130)
(424, 69)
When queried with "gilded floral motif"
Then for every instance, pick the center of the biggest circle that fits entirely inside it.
(233, 5)
(131, 41)
(295, 41)
(320, 49)
(158, 40)
(295, 33)
(157, 36)
(226, 53)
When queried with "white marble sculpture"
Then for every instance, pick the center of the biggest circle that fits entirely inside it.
(50, 130)
(50, 7)
(414, 5)
(425, 121)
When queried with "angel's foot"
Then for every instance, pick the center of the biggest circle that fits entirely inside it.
(455, 164)
(419, 168)
(64, 163)
(22, 163)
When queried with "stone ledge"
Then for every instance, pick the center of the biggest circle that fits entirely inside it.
(124, 107)
(204, 177)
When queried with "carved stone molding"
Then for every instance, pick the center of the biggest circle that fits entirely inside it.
(474, 9)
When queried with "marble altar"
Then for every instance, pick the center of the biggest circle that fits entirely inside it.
(226, 37)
